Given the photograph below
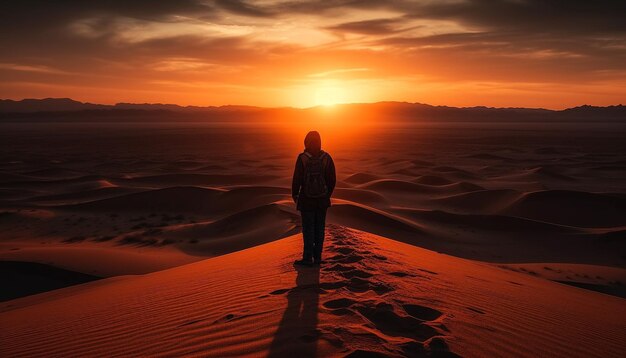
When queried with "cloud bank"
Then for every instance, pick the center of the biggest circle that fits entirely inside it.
(518, 52)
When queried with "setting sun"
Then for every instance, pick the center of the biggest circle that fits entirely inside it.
(330, 93)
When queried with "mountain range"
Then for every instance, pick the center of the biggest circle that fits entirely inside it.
(66, 109)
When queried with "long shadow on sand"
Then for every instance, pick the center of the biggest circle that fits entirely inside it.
(297, 335)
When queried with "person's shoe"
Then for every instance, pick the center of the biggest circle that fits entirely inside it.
(303, 263)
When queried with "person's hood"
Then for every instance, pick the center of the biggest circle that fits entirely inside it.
(313, 143)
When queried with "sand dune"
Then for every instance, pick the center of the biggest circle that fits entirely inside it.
(530, 206)
(14, 177)
(452, 171)
(367, 197)
(375, 296)
(16, 194)
(174, 199)
(194, 179)
(482, 201)
(494, 238)
(82, 196)
(391, 187)
(540, 174)
(486, 156)
(571, 208)
(607, 280)
(237, 198)
(239, 231)
(432, 180)
(360, 178)
(55, 173)
(28, 278)
(187, 199)
(372, 220)
(506, 224)
(102, 259)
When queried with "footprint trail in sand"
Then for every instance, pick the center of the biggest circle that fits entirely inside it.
(357, 283)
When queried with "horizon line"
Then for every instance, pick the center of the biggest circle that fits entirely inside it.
(304, 108)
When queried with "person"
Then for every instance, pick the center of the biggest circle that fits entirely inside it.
(314, 180)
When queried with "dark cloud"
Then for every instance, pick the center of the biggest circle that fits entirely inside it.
(534, 16)
(560, 16)
(19, 16)
(334, 6)
(572, 35)
(369, 27)
(242, 8)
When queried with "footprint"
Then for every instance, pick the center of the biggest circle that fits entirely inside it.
(341, 312)
(358, 285)
(400, 274)
(422, 312)
(384, 319)
(280, 291)
(228, 317)
(338, 267)
(332, 285)
(345, 250)
(190, 322)
(380, 257)
(476, 310)
(351, 259)
(439, 348)
(428, 271)
(337, 257)
(339, 303)
(381, 288)
(413, 349)
(476, 278)
(362, 353)
(311, 337)
(356, 273)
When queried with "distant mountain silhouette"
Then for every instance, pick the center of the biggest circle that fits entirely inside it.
(65, 109)
(46, 105)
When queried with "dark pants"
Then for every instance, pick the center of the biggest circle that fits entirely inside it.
(313, 225)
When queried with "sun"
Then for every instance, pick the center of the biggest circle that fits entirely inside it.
(329, 94)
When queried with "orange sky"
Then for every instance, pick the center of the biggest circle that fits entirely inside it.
(282, 53)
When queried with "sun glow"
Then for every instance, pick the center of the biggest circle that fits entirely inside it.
(330, 93)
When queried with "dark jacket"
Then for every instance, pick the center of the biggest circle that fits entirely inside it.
(310, 204)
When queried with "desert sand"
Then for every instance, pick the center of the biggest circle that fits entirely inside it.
(447, 240)
(374, 295)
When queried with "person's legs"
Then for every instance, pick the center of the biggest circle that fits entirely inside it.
(320, 228)
(308, 234)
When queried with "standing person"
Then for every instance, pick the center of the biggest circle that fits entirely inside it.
(313, 183)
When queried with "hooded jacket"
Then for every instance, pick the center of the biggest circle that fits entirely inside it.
(313, 145)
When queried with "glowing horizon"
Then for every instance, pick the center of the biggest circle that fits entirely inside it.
(304, 54)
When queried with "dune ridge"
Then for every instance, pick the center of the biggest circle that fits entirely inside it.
(235, 305)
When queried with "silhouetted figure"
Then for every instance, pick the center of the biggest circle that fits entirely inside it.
(313, 183)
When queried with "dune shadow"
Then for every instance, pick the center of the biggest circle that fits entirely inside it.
(297, 333)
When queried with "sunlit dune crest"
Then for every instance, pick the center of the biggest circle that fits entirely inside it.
(405, 309)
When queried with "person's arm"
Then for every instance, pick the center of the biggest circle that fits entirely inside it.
(331, 176)
(296, 182)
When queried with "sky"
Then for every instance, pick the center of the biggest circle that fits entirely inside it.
(273, 53)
